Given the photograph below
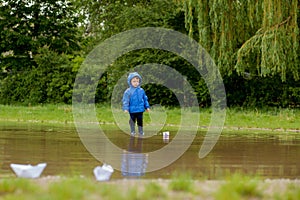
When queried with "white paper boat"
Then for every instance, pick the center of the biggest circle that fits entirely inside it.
(28, 171)
(166, 136)
(103, 173)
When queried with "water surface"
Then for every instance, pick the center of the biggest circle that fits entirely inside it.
(268, 155)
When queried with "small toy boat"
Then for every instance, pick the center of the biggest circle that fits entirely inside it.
(28, 171)
(103, 173)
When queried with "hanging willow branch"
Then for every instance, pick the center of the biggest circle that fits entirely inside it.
(275, 46)
(260, 37)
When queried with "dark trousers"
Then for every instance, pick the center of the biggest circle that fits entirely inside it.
(136, 117)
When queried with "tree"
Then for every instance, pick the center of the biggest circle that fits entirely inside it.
(40, 41)
(28, 25)
(255, 37)
(122, 16)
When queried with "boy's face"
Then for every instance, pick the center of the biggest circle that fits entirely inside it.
(135, 82)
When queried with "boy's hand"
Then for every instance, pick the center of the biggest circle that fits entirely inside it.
(126, 111)
(148, 109)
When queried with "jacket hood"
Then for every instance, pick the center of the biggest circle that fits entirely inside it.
(131, 76)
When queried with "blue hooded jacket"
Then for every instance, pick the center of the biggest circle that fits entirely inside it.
(135, 99)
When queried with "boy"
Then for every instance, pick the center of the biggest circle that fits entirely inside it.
(135, 102)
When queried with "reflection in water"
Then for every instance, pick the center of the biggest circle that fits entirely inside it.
(270, 155)
(59, 147)
(134, 162)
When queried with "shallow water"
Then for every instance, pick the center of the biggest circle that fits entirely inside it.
(268, 155)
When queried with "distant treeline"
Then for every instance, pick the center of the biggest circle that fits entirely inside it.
(43, 45)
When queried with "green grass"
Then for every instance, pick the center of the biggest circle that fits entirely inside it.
(153, 191)
(267, 119)
(292, 192)
(13, 188)
(48, 114)
(16, 185)
(181, 182)
(71, 188)
(270, 118)
(239, 187)
(181, 186)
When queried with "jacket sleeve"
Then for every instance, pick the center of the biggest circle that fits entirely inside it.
(125, 100)
(146, 103)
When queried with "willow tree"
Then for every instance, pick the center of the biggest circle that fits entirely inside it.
(257, 37)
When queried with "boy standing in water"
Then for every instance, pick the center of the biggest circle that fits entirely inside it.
(135, 102)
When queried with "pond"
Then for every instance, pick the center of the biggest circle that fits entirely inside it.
(270, 155)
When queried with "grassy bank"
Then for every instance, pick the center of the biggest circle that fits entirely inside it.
(236, 118)
(181, 186)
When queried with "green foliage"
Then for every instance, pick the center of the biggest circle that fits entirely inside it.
(235, 187)
(38, 51)
(262, 91)
(153, 191)
(257, 37)
(71, 188)
(158, 13)
(107, 18)
(12, 188)
(12, 185)
(182, 182)
(256, 48)
(50, 82)
(223, 37)
(239, 187)
(273, 49)
(27, 26)
(292, 192)
(144, 14)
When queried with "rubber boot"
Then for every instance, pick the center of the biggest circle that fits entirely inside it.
(132, 127)
(141, 132)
